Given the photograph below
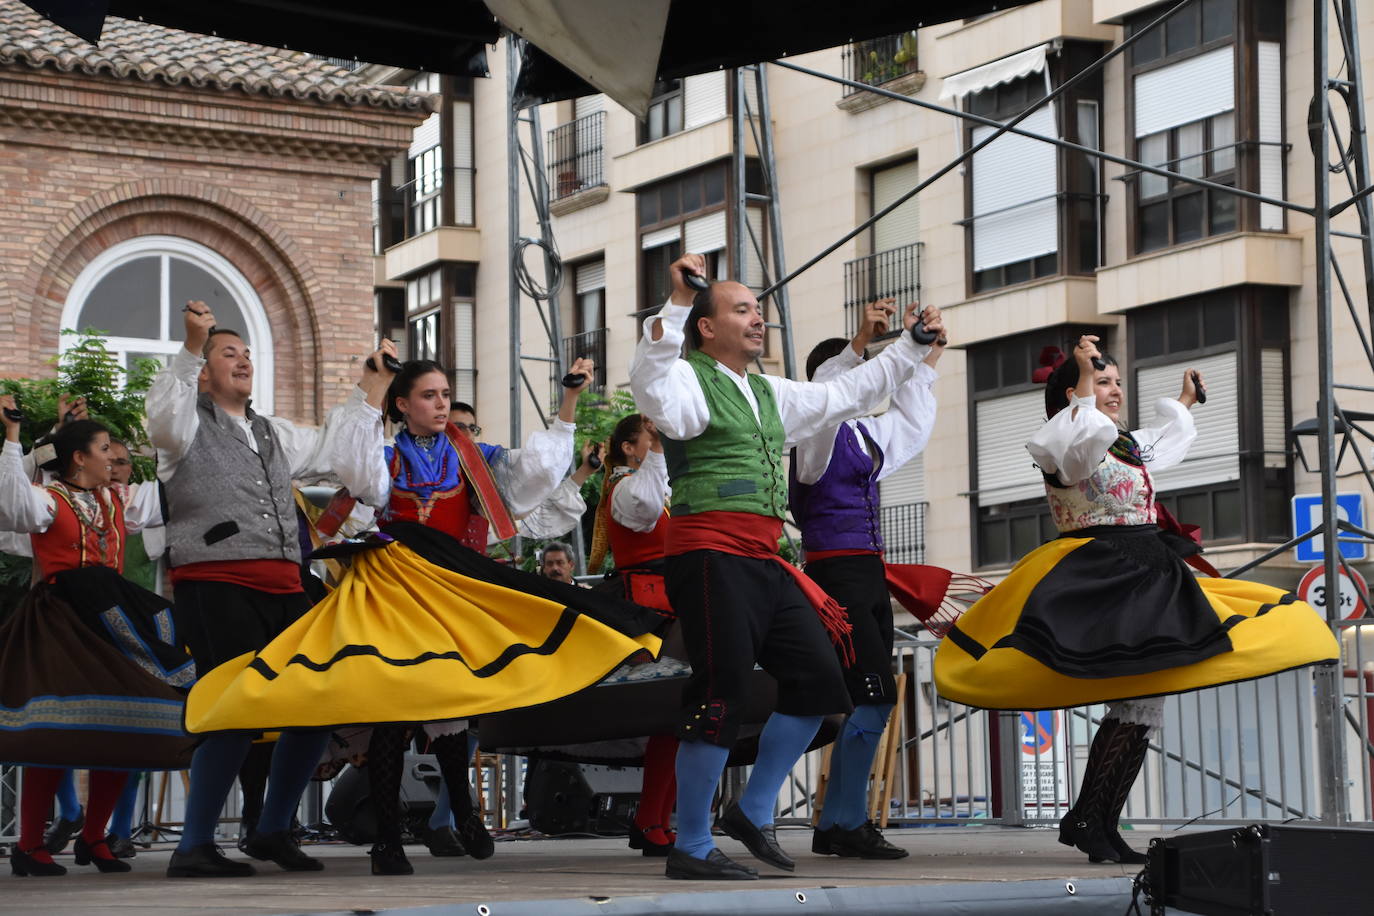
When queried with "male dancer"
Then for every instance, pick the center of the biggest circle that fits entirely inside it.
(235, 568)
(834, 492)
(724, 432)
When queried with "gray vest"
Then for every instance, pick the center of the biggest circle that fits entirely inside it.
(226, 502)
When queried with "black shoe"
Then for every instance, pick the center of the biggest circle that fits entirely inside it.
(863, 842)
(1087, 837)
(61, 832)
(472, 833)
(87, 854)
(206, 861)
(279, 847)
(1124, 853)
(646, 846)
(121, 846)
(444, 843)
(23, 865)
(820, 840)
(761, 841)
(390, 859)
(717, 866)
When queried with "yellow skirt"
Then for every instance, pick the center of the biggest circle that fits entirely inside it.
(404, 639)
(982, 663)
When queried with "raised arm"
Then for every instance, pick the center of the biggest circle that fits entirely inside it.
(1166, 444)
(24, 507)
(665, 388)
(637, 500)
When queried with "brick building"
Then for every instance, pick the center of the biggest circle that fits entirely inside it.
(163, 166)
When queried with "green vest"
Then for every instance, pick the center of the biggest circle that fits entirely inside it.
(735, 465)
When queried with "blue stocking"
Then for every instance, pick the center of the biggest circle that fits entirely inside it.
(699, 766)
(783, 741)
(214, 767)
(122, 820)
(69, 808)
(850, 762)
(293, 763)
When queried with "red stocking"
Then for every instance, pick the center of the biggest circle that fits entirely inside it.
(660, 785)
(35, 801)
(106, 785)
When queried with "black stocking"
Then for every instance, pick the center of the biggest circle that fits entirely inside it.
(385, 763)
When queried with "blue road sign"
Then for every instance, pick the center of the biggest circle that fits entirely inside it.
(1307, 515)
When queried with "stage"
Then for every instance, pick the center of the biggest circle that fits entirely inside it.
(983, 870)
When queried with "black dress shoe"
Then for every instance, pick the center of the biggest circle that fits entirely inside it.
(717, 866)
(444, 843)
(390, 859)
(91, 855)
(24, 865)
(863, 842)
(646, 846)
(281, 848)
(61, 833)
(121, 846)
(1125, 854)
(206, 861)
(761, 841)
(472, 833)
(820, 840)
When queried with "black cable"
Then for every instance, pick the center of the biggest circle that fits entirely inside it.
(1208, 813)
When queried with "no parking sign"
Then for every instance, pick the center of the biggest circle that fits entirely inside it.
(1044, 763)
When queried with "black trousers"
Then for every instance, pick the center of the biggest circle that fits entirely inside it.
(860, 585)
(219, 621)
(735, 611)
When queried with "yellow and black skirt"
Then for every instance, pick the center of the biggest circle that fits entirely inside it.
(424, 629)
(1114, 613)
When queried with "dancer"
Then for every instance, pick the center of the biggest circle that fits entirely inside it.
(424, 628)
(632, 521)
(89, 658)
(235, 568)
(1109, 611)
(834, 498)
(724, 432)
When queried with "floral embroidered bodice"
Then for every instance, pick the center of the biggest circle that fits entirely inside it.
(1118, 492)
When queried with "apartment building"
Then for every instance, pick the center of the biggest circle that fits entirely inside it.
(1026, 245)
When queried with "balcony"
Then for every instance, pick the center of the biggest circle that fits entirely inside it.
(889, 62)
(895, 272)
(576, 158)
(591, 344)
(904, 532)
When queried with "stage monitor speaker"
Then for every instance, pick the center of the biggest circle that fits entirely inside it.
(1266, 869)
(349, 806)
(564, 798)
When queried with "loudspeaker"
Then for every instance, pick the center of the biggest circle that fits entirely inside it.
(564, 798)
(1270, 869)
(349, 806)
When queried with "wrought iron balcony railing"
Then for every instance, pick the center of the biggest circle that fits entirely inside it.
(879, 60)
(576, 156)
(895, 272)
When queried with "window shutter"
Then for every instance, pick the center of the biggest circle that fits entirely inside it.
(1270, 78)
(1213, 457)
(703, 99)
(660, 237)
(905, 485)
(588, 104)
(902, 226)
(753, 266)
(398, 171)
(706, 233)
(590, 276)
(465, 357)
(1272, 419)
(1007, 175)
(1187, 91)
(426, 136)
(1004, 425)
(463, 205)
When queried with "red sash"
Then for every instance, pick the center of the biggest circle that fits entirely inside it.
(478, 475)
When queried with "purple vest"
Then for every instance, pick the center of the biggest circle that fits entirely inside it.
(840, 511)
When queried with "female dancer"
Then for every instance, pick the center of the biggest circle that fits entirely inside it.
(1109, 611)
(631, 520)
(74, 698)
(425, 629)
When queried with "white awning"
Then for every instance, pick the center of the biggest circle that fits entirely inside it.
(1021, 64)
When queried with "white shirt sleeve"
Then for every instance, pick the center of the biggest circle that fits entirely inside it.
(810, 408)
(903, 432)
(528, 476)
(355, 451)
(1073, 446)
(638, 499)
(665, 388)
(25, 508)
(171, 411)
(814, 452)
(143, 508)
(556, 515)
(1166, 445)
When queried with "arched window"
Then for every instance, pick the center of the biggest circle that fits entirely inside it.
(134, 293)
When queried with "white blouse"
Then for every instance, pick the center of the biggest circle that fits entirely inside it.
(638, 499)
(27, 508)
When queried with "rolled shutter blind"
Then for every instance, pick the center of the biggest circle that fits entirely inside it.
(1213, 457)
(1187, 91)
(1004, 425)
(1270, 79)
(1008, 175)
(706, 233)
(703, 99)
(590, 276)
(902, 226)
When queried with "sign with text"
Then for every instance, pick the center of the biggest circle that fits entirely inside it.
(1307, 515)
(1044, 763)
(1349, 604)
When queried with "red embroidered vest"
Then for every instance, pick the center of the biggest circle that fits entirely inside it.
(70, 543)
(635, 548)
(449, 511)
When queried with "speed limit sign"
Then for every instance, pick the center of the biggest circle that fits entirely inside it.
(1350, 605)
